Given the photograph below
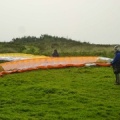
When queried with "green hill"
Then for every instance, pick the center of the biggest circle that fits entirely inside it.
(45, 44)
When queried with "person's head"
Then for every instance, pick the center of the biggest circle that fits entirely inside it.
(55, 50)
(116, 48)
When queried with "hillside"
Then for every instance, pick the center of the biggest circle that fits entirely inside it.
(84, 93)
(45, 44)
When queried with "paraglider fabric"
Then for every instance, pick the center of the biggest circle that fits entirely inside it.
(30, 62)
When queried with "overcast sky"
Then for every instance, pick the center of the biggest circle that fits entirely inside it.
(94, 21)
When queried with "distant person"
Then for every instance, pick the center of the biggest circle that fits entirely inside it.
(116, 65)
(55, 53)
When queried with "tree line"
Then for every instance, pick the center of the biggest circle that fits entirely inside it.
(45, 44)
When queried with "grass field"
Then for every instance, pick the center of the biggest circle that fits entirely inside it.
(86, 93)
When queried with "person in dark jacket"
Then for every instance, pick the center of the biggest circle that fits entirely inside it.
(55, 53)
(116, 65)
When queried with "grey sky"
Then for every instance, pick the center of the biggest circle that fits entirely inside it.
(94, 21)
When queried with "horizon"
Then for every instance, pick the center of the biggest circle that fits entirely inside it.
(58, 37)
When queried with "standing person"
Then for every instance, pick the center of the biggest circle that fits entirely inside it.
(55, 53)
(116, 65)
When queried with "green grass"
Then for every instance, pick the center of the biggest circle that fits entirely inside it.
(86, 93)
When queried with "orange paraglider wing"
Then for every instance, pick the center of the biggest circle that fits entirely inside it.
(51, 62)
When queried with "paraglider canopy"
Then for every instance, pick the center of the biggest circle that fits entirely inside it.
(37, 62)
